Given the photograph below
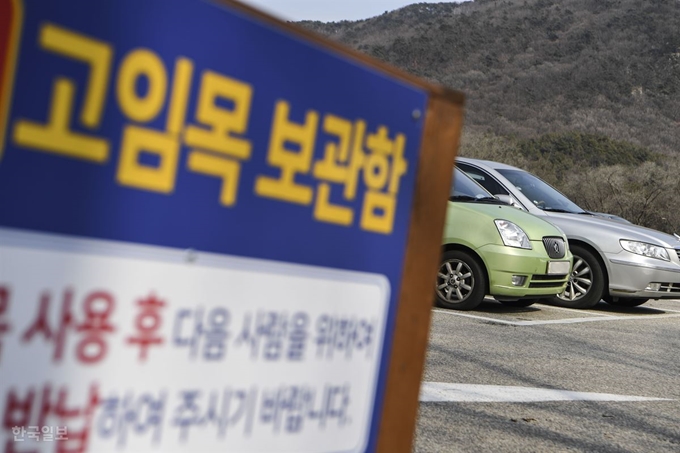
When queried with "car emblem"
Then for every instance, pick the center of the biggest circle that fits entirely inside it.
(556, 247)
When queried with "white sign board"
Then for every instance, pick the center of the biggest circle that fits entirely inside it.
(153, 349)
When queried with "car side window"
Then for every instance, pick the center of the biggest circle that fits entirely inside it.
(484, 180)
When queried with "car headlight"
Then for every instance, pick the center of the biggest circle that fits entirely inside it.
(512, 235)
(644, 249)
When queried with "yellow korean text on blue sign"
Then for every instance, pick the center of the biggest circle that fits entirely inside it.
(191, 124)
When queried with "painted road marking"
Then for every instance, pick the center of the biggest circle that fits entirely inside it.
(465, 315)
(559, 321)
(474, 393)
(572, 310)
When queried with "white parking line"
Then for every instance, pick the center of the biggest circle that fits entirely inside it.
(445, 392)
(577, 320)
(557, 321)
(451, 312)
(574, 310)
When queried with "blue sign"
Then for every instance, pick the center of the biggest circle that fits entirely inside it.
(195, 125)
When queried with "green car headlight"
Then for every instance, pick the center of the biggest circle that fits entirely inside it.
(512, 235)
(644, 249)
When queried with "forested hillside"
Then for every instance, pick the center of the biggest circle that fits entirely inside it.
(579, 91)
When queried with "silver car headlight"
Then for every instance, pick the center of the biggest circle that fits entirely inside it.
(512, 235)
(645, 249)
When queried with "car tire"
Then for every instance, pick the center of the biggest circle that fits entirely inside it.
(461, 281)
(625, 301)
(519, 303)
(586, 281)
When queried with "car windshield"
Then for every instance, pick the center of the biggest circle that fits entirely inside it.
(544, 196)
(465, 188)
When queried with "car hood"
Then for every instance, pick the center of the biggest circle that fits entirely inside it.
(534, 226)
(571, 223)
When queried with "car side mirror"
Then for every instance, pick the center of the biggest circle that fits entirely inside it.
(507, 199)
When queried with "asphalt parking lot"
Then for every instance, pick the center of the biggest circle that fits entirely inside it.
(540, 314)
(547, 378)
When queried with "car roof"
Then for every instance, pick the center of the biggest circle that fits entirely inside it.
(488, 163)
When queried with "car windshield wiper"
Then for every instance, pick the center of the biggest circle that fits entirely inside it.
(489, 200)
(562, 210)
(475, 199)
(461, 198)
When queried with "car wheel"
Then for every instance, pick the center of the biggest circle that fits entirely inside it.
(519, 303)
(586, 281)
(625, 301)
(461, 281)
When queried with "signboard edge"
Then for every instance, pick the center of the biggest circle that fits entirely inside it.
(441, 137)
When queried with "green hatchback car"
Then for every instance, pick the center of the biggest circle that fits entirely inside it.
(492, 248)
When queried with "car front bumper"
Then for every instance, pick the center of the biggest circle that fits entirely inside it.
(631, 276)
(502, 263)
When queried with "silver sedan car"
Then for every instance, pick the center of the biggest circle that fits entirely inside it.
(622, 263)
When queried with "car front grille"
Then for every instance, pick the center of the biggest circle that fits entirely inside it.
(543, 277)
(547, 281)
(554, 246)
(546, 285)
(677, 252)
(673, 288)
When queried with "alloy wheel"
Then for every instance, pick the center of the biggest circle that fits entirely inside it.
(455, 281)
(580, 281)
